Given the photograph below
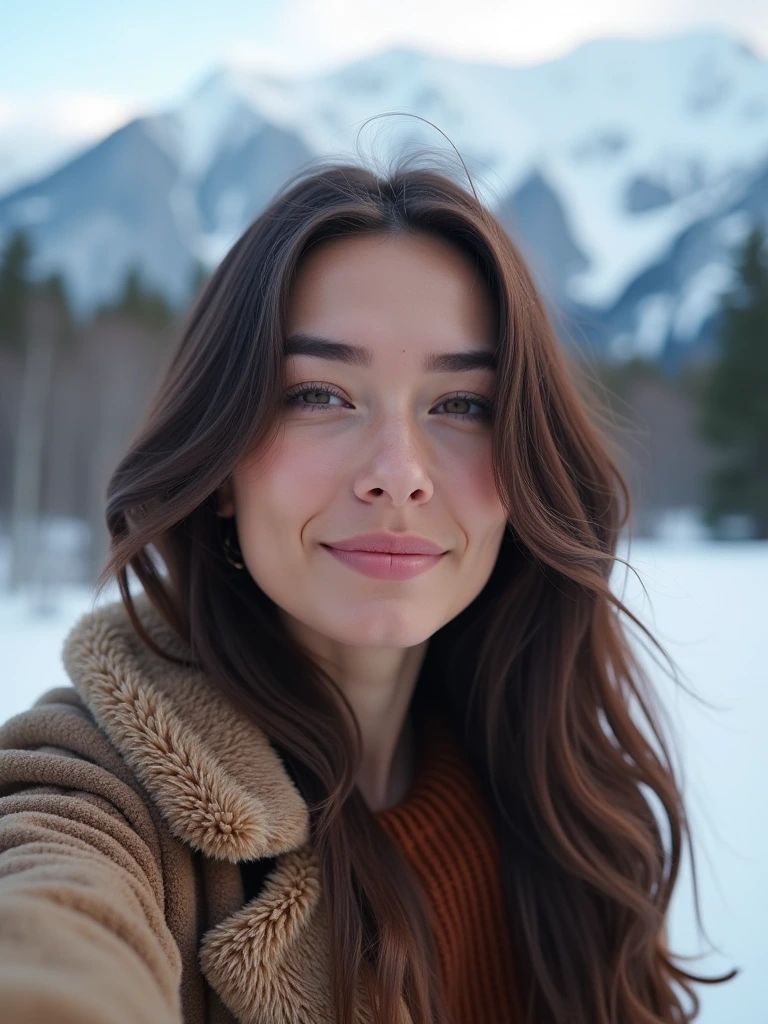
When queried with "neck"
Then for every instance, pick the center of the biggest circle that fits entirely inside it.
(378, 684)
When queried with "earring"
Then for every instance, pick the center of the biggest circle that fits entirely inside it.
(232, 551)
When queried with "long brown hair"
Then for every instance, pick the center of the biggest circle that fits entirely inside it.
(537, 674)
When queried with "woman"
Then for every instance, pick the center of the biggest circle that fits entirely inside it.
(361, 749)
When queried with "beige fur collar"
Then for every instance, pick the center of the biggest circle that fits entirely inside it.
(214, 776)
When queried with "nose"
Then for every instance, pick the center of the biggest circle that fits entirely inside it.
(395, 467)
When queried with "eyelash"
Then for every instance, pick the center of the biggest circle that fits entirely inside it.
(327, 389)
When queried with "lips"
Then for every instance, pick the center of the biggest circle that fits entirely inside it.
(382, 565)
(388, 543)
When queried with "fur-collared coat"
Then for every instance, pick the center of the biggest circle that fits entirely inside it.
(128, 802)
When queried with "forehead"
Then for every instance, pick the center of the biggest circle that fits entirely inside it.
(418, 289)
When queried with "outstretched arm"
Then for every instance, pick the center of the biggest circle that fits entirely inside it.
(83, 936)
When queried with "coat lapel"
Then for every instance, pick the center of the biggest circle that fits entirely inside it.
(213, 774)
(269, 960)
(223, 789)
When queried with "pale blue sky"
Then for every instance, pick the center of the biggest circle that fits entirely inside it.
(153, 50)
(145, 49)
(71, 73)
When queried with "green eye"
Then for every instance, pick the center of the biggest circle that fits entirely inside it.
(296, 395)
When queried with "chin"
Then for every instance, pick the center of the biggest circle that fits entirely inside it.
(381, 630)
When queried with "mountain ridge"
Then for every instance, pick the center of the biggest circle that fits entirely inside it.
(630, 144)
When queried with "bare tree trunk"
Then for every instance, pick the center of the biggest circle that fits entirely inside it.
(122, 359)
(29, 444)
(61, 497)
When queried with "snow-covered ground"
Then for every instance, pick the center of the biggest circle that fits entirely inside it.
(706, 604)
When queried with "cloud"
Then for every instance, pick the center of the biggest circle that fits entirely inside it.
(38, 133)
(310, 35)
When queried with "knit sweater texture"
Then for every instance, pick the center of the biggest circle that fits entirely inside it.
(445, 831)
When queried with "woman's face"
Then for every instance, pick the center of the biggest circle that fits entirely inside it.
(382, 452)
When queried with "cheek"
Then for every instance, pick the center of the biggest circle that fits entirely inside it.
(286, 486)
(473, 486)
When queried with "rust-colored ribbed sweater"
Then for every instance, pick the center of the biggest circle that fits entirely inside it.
(444, 829)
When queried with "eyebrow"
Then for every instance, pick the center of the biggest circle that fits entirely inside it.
(303, 344)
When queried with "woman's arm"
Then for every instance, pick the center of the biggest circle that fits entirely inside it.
(83, 936)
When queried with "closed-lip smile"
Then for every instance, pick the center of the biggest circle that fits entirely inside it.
(389, 543)
(387, 556)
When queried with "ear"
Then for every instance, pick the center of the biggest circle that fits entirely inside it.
(226, 504)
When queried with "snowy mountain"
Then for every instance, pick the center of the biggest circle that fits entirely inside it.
(628, 171)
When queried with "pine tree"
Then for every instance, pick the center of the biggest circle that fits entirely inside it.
(14, 290)
(140, 303)
(734, 394)
(199, 277)
(147, 305)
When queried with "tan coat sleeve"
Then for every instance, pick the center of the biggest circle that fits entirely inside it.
(83, 936)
